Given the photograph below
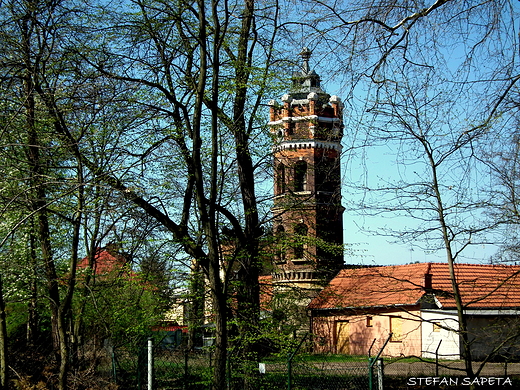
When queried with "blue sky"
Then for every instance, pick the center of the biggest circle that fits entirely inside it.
(447, 46)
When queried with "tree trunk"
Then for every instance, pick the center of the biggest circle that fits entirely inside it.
(463, 326)
(221, 340)
(248, 296)
(3, 341)
(36, 166)
(64, 355)
(196, 303)
(32, 307)
(65, 307)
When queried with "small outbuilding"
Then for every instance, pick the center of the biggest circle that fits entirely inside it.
(414, 305)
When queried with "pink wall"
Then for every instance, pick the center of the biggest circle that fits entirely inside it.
(360, 336)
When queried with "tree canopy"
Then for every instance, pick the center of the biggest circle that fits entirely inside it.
(144, 123)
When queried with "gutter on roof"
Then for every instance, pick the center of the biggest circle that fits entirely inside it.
(478, 312)
(471, 312)
(364, 307)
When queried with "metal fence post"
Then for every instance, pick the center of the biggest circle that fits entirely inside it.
(289, 362)
(370, 373)
(371, 345)
(371, 362)
(437, 359)
(380, 373)
(150, 364)
(114, 367)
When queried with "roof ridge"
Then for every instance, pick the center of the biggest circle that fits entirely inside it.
(430, 263)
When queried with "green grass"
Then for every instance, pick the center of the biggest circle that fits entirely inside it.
(414, 359)
(317, 358)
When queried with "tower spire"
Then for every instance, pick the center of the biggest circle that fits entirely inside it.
(306, 80)
(306, 55)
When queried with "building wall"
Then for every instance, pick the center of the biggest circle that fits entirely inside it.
(355, 334)
(415, 333)
(440, 328)
(489, 332)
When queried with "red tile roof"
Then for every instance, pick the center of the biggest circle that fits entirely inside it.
(170, 328)
(481, 286)
(104, 262)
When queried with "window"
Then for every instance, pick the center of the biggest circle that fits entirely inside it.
(300, 231)
(280, 237)
(280, 179)
(290, 128)
(369, 321)
(300, 176)
(396, 327)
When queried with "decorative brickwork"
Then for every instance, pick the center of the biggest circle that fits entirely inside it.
(307, 127)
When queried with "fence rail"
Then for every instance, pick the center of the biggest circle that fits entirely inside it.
(153, 367)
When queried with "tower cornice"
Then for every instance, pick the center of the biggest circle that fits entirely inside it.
(317, 118)
(307, 144)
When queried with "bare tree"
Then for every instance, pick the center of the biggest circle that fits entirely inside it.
(437, 79)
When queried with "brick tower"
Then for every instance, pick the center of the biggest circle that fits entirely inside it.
(307, 128)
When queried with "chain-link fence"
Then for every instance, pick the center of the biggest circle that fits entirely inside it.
(328, 372)
(155, 365)
(151, 365)
(127, 366)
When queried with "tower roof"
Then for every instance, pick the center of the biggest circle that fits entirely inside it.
(306, 80)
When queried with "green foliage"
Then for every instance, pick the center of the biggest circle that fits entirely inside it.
(120, 307)
(16, 314)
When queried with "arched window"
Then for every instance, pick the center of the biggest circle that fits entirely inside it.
(280, 179)
(300, 232)
(300, 176)
(280, 238)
